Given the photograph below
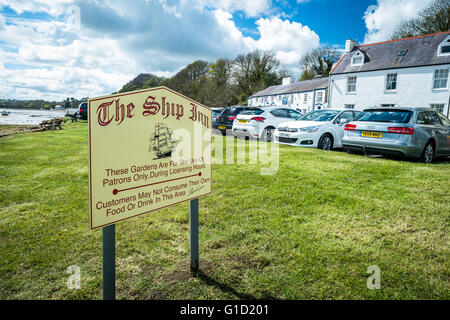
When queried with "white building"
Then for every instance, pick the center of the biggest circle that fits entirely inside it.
(303, 95)
(411, 72)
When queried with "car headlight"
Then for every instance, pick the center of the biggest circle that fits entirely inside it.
(310, 129)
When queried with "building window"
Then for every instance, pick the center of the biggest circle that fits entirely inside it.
(319, 96)
(438, 107)
(358, 59)
(391, 81)
(349, 106)
(440, 78)
(444, 48)
(402, 53)
(351, 84)
(305, 98)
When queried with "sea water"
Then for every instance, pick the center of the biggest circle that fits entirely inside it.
(31, 117)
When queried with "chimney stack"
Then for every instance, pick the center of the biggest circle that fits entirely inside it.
(286, 81)
(349, 45)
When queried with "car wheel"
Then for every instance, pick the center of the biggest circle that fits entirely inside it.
(428, 153)
(326, 142)
(267, 134)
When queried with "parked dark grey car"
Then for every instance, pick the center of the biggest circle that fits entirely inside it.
(83, 111)
(411, 132)
(215, 115)
(227, 116)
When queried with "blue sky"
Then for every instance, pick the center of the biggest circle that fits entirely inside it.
(52, 49)
(322, 16)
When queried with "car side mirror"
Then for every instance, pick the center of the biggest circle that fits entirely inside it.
(344, 121)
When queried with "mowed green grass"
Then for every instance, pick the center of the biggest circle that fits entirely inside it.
(308, 232)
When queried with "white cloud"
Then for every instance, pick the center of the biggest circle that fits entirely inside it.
(54, 59)
(2, 23)
(53, 7)
(381, 19)
(288, 40)
(252, 8)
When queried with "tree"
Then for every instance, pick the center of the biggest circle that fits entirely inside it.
(219, 90)
(143, 81)
(255, 71)
(220, 72)
(190, 79)
(318, 62)
(434, 18)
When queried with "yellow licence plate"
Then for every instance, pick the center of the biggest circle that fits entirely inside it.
(372, 134)
(242, 121)
(222, 127)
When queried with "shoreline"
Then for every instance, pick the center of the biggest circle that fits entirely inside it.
(10, 129)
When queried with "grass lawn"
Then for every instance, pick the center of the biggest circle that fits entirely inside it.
(308, 232)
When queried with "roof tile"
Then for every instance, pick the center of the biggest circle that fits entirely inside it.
(300, 86)
(421, 51)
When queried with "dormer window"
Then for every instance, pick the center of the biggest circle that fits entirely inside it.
(358, 59)
(444, 47)
(402, 53)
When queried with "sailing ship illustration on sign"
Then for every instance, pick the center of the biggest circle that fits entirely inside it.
(161, 142)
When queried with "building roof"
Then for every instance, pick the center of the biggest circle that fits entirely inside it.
(421, 51)
(300, 86)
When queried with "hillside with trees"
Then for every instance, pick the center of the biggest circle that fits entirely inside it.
(221, 83)
(39, 103)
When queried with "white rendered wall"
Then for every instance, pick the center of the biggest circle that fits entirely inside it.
(295, 100)
(414, 89)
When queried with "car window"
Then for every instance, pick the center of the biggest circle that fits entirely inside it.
(320, 115)
(396, 116)
(294, 114)
(228, 111)
(280, 113)
(422, 118)
(444, 120)
(253, 111)
(345, 116)
(434, 118)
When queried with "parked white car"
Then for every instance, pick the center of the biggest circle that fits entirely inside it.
(260, 123)
(322, 129)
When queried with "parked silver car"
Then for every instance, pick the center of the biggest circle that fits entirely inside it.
(411, 132)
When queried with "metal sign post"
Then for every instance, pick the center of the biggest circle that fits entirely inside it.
(109, 262)
(193, 221)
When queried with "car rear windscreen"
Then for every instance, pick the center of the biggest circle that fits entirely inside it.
(255, 111)
(229, 111)
(397, 116)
